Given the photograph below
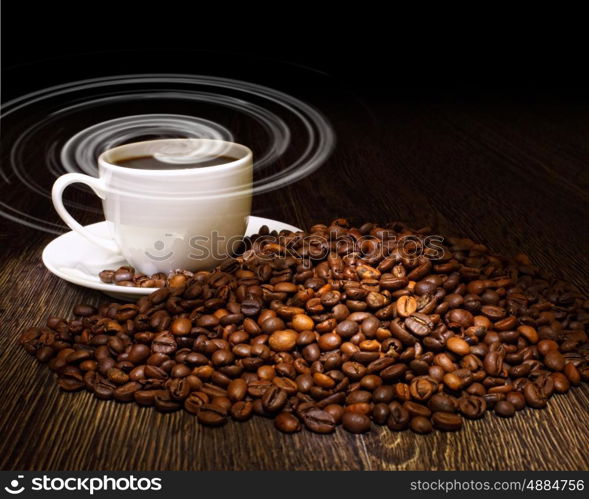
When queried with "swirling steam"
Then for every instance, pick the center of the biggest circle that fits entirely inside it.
(66, 127)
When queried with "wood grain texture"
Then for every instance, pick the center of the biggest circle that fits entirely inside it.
(511, 174)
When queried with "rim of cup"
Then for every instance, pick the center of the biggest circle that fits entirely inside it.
(105, 161)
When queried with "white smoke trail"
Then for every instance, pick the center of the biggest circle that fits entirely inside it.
(270, 109)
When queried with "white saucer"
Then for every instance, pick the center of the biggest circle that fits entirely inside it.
(75, 259)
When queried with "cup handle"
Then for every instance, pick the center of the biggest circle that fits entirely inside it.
(98, 187)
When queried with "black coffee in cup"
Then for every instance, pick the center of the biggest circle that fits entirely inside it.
(164, 163)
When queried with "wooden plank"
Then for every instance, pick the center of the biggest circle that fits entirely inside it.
(511, 175)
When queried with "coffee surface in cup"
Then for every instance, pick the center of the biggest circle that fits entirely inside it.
(149, 162)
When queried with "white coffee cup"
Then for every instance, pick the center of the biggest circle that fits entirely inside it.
(161, 220)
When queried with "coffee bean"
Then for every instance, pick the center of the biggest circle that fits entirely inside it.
(504, 408)
(447, 421)
(346, 333)
(242, 410)
(145, 397)
(164, 403)
(572, 373)
(420, 424)
(406, 305)
(84, 310)
(138, 353)
(460, 317)
(336, 411)
(211, 415)
(442, 402)
(399, 417)
(237, 389)
(195, 401)
(458, 345)
(179, 388)
(419, 324)
(493, 363)
(422, 388)
(126, 392)
(317, 420)
(472, 406)
(561, 382)
(554, 360)
(416, 409)
(274, 399)
(517, 399)
(286, 422)
(283, 341)
(181, 327)
(164, 343)
(380, 413)
(534, 396)
(355, 422)
(383, 393)
(302, 322)
(44, 353)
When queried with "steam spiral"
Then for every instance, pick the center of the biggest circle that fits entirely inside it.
(297, 137)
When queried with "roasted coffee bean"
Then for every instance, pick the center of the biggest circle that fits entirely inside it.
(406, 305)
(242, 410)
(164, 402)
(504, 408)
(287, 422)
(347, 328)
(419, 324)
(317, 420)
(211, 415)
(164, 343)
(399, 417)
(139, 353)
(195, 401)
(460, 317)
(517, 399)
(355, 422)
(572, 373)
(145, 397)
(472, 406)
(422, 389)
(274, 399)
(561, 382)
(534, 396)
(447, 421)
(420, 424)
(126, 392)
(442, 402)
(493, 363)
(416, 409)
(354, 332)
(458, 345)
(380, 413)
(554, 360)
(179, 388)
(84, 310)
(383, 393)
(336, 411)
(283, 341)
(237, 389)
(181, 326)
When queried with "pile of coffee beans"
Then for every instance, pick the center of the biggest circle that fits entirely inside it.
(127, 276)
(354, 326)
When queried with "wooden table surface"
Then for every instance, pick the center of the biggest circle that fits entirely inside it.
(509, 172)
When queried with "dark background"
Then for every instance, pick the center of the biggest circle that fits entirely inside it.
(372, 50)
